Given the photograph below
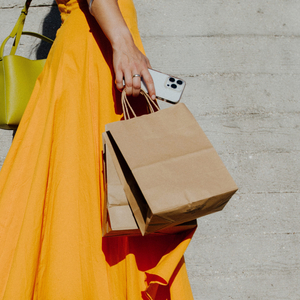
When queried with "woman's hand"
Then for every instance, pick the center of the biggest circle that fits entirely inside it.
(129, 63)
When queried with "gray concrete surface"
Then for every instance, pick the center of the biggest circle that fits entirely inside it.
(241, 61)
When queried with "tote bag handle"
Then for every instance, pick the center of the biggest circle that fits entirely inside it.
(18, 31)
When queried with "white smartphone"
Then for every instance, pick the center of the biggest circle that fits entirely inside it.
(168, 88)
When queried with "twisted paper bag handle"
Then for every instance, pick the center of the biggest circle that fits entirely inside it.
(127, 107)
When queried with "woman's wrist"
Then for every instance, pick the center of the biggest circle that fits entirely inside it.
(111, 21)
(121, 38)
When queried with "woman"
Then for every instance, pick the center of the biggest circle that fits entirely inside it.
(51, 185)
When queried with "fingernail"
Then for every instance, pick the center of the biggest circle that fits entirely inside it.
(153, 97)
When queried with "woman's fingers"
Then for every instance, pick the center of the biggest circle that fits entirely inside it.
(147, 78)
(128, 82)
(132, 67)
(132, 83)
(119, 80)
(136, 84)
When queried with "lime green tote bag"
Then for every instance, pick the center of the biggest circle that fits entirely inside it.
(17, 76)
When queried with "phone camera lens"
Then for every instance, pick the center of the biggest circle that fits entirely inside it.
(173, 86)
(179, 82)
(172, 79)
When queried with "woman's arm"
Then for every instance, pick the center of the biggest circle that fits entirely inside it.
(127, 59)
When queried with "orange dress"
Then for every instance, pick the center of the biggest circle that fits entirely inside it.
(51, 185)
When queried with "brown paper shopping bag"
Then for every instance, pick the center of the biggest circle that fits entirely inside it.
(118, 219)
(169, 170)
(117, 216)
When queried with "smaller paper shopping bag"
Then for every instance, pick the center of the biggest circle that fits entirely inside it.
(117, 216)
(118, 219)
(169, 170)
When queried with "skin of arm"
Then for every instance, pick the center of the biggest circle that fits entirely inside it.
(127, 58)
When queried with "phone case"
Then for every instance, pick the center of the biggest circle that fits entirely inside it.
(168, 88)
